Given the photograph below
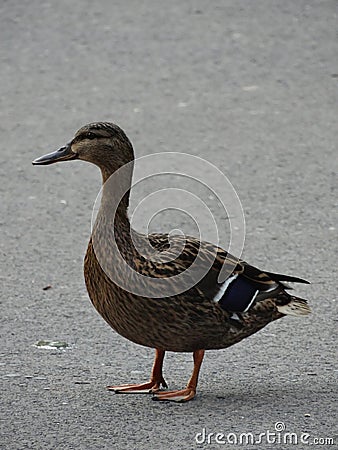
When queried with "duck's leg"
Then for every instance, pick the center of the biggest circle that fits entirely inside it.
(156, 379)
(189, 392)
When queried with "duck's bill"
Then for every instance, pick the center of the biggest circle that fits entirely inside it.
(63, 154)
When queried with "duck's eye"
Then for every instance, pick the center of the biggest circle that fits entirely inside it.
(90, 135)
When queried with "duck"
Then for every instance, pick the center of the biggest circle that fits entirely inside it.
(132, 278)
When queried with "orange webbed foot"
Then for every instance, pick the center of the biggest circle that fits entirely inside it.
(156, 380)
(179, 396)
(144, 388)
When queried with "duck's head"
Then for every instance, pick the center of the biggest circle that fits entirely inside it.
(101, 143)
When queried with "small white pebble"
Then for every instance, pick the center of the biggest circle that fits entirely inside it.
(250, 88)
(182, 104)
(136, 110)
(331, 228)
(254, 112)
(63, 202)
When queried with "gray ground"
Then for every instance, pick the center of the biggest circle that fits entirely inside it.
(250, 86)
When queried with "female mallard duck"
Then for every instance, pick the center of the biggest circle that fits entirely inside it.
(206, 315)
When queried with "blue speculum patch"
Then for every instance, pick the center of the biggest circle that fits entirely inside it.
(239, 295)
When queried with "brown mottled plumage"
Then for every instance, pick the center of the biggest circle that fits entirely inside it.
(188, 321)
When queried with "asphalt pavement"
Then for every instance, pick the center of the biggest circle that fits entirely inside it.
(250, 87)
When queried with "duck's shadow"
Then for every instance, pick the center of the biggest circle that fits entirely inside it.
(250, 398)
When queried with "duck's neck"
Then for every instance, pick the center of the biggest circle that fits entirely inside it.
(111, 238)
(115, 167)
(115, 199)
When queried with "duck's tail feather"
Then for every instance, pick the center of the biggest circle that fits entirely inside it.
(280, 277)
(295, 307)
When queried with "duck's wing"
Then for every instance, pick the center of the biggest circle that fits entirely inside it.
(247, 285)
(192, 246)
(264, 278)
(242, 285)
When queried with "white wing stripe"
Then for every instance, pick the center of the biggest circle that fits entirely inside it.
(224, 287)
(251, 302)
